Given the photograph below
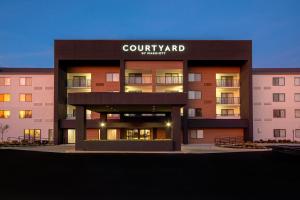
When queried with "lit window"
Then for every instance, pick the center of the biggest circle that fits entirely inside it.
(26, 81)
(4, 114)
(194, 95)
(279, 132)
(297, 81)
(25, 114)
(26, 97)
(4, 81)
(197, 134)
(278, 81)
(194, 77)
(4, 97)
(112, 77)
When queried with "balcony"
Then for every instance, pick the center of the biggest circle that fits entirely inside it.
(228, 100)
(228, 83)
(83, 83)
(169, 80)
(72, 116)
(136, 80)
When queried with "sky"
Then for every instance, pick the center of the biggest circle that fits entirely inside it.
(28, 28)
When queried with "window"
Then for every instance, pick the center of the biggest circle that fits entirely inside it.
(194, 94)
(227, 112)
(193, 77)
(25, 114)
(278, 97)
(4, 114)
(197, 134)
(26, 81)
(278, 81)
(112, 77)
(195, 112)
(111, 134)
(279, 113)
(4, 81)
(297, 133)
(297, 113)
(279, 132)
(32, 134)
(297, 97)
(4, 97)
(25, 97)
(297, 81)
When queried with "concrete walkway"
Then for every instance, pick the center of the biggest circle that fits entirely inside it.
(186, 149)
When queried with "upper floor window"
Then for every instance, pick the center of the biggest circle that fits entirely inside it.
(194, 95)
(197, 134)
(279, 113)
(25, 114)
(4, 114)
(26, 81)
(278, 81)
(26, 97)
(297, 113)
(278, 97)
(297, 81)
(279, 132)
(193, 77)
(112, 77)
(297, 97)
(195, 112)
(297, 133)
(4, 97)
(4, 81)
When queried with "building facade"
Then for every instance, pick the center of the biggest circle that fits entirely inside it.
(151, 95)
(276, 104)
(26, 103)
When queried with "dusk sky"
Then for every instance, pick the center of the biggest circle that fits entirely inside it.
(28, 28)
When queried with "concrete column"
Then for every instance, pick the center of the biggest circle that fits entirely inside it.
(176, 128)
(80, 123)
(103, 130)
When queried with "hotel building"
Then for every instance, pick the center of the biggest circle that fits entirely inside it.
(151, 95)
(276, 104)
(26, 103)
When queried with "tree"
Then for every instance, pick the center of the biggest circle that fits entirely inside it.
(3, 128)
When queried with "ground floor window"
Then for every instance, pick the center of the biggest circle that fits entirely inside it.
(71, 136)
(297, 133)
(111, 134)
(50, 135)
(196, 134)
(279, 132)
(32, 134)
(138, 134)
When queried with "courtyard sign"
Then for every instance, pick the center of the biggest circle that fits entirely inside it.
(153, 49)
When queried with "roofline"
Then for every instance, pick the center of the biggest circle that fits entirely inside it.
(275, 71)
(27, 70)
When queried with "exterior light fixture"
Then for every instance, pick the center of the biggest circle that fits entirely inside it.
(168, 124)
(102, 124)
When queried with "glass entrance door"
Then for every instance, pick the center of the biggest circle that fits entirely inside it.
(138, 134)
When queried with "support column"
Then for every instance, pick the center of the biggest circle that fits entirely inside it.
(176, 128)
(122, 75)
(185, 109)
(103, 130)
(80, 115)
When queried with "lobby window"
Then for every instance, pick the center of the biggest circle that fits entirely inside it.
(297, 133)
(4, 114)
(278, 97)
(194, 95)
(278, 81)
(25, 114)
(297, 113)
(112, 77)
(195, 112)
(297, 97)
(26, 81)
(297, 81)
(4, 81)
(279, 113)
(196, 134)
(26, 97)
(4, 97)
(193, 77)
(279, 132)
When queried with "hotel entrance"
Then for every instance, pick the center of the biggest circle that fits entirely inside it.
(138, 134)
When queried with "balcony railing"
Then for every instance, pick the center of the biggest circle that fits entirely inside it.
(84, 83)
(228, 82)
(227, 116)
(72, 116)
(169, 80)
(228, 100)
(138, 79)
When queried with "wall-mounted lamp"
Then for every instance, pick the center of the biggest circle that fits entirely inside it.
(102, 124)
(168, 124)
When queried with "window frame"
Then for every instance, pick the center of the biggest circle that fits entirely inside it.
(112, 77)
(279, 94)
(278, 77)
(274, 133)
(279, 111)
